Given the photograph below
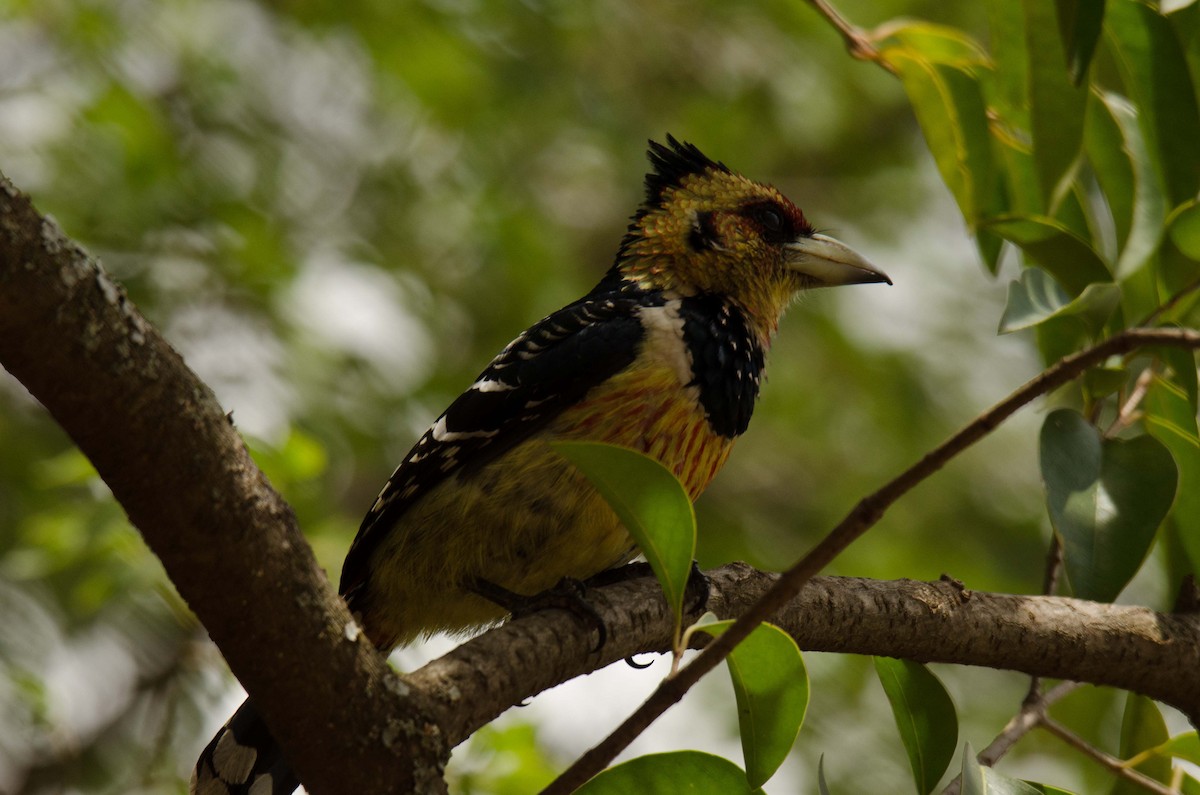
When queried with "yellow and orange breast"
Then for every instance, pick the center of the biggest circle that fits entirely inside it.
(645, 408)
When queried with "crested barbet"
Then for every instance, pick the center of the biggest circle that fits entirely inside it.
(665, 356)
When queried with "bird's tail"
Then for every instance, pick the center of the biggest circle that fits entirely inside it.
(243, 759)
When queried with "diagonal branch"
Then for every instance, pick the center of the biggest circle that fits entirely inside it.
(861, 518)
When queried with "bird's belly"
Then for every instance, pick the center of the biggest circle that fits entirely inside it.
(530, 518)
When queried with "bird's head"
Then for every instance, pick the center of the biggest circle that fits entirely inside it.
(706, 229)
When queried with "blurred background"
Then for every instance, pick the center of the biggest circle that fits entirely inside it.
(339, 212)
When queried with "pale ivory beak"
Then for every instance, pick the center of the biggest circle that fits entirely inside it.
(831, 262)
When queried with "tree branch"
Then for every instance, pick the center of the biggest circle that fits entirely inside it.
(1132, 648)
(230, 544)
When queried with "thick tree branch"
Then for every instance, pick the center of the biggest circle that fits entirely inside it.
(230, 544)
(1132, 648)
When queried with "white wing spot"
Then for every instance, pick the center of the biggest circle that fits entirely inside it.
(233, 761)
(489, 385)
(443, 434)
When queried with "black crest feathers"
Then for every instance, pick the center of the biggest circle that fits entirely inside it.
(673, 163)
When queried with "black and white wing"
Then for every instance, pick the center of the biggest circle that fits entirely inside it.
(546, 370)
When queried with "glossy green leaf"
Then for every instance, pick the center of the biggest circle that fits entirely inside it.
(1036, 297)
(682, 772)
(1170, 417)
(771, 686)
(1183, 226)
(1183, 372)
(1079, 24)
(979, 780)
(650, 502)
(948, 103)
(1149, 209)
(1046, 789)
(1106, 499)
(1100, 382)
(932, 42)
(1142, 728)
(1056, 105)
(1182, 746)
(1105, 148)
(822, 787)
(1006, 43)
(1157, 79)
(924, 715)
(1073, 210)
(1020, 174)
(1050, 245)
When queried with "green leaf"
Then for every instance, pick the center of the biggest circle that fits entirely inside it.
(932, 42)
(924, 715)
(1149, 208)
(771, 686)
(1050, 245)
(822, 787)
(1006, 43)
(941, 76)
(980, 780)
(1170, 417)
(1056, 106)
(1079, 23)
(1036, 297)
(1142, 728)
(948, 102)
(650, 502)
(1105, 147)
(972, 773)
(1155, 70)
(1182, 746)
(1100, 382)
(1183, 226)
(683, 772)
(1106, 498)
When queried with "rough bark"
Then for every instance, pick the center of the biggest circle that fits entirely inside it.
(230, 544)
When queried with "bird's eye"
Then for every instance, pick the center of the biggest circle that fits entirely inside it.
(773, 222)
(770, 220)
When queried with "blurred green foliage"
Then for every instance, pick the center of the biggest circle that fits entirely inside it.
(339, 213)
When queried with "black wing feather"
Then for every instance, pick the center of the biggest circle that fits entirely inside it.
(548, 368)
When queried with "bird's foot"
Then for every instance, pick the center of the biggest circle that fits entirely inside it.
(697, 590)
(569, 594)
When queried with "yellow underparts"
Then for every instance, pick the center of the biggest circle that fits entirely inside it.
(529, 519)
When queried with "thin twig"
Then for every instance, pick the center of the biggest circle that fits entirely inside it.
(1112, 763)
(1128, 414)
(861, 518)
(858, 44)
(1030, 715)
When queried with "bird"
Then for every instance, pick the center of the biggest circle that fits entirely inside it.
(665, 355)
